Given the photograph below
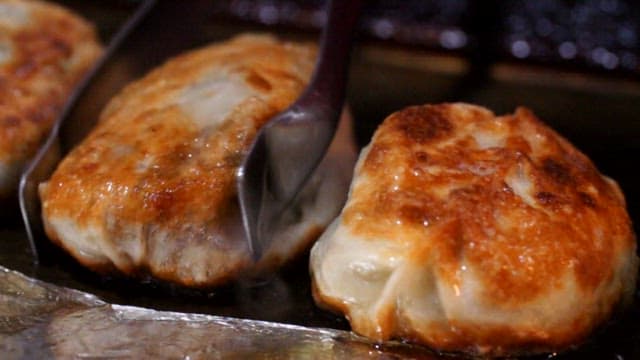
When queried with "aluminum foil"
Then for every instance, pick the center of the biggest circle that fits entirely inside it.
(39, 320)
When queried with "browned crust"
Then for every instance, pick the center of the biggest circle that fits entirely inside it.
(193, 177)
(576, 219)
(49, 55)
(134, 116)
(572, 198)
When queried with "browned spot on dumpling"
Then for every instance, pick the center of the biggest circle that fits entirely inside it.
(422, 123)
(257, 81)
(47, 49)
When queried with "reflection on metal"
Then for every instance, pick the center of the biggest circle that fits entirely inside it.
(43, 321)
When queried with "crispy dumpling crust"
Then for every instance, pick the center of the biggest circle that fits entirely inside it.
(152, 189)
(470, 232)
(44, 51)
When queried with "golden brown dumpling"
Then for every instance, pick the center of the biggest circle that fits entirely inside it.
(465, 231)
(152, 189)
(44, 51)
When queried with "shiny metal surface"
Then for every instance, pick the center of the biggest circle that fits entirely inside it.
(45, 161)
(44, 321)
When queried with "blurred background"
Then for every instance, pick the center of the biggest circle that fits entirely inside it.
(591, 35)
(576, 64)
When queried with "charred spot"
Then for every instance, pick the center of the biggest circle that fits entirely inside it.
(421, 156)
(587, 199)
(519, 144)
(233, 159)
(468, 190)
(45, 44)
(44, 114)
(258, 82)
(557, 171)
(89, 167)
(418, 163)
(282, 75)
(182, 152)
(423, 123)
(27, 68)
(10, 121)
(375, 157)
(159, 200)
(546, 198)
(468, 194)
(154, 128)
(183, 155)
(414, 214)
(61, 46)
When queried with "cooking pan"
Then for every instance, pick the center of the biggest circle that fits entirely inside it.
(597, 114)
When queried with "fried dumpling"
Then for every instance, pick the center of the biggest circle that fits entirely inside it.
(151, 190)
(466, 231)
(44, 52)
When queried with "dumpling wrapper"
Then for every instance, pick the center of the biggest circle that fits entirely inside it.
(152, 190)
(466, 231)
(45, 50)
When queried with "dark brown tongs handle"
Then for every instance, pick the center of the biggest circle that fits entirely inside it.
(330, 75)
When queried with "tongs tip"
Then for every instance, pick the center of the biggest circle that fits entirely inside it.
(250, 175)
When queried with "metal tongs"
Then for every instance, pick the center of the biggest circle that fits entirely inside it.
(287, 150)
(61, 138)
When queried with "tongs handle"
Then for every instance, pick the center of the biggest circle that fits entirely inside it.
(44, 162)
(328, 83)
